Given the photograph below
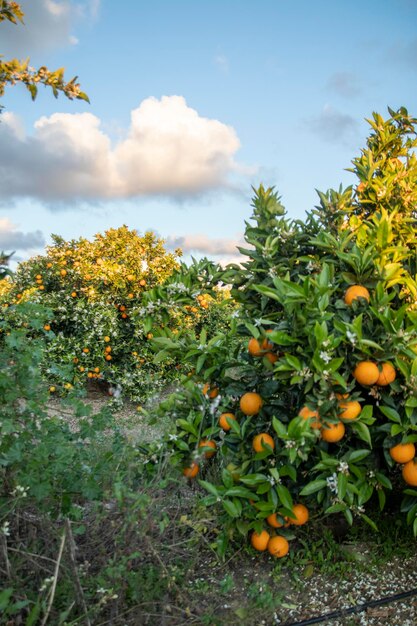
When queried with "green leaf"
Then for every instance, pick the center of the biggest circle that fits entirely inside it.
(313, 486)
(284, 496)
(342, 480)
(357, 455)
(5, 596)
(241, 492)
(370, 522)
(391, 413)
(209, 487)
(363, 432)
(230, 508)
(279, 427)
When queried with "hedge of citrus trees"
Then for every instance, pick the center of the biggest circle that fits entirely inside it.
(108, 298)
(308, 405)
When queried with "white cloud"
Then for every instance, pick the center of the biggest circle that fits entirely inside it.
(168, 150)
(13, 239)
(205, 245)
(47, 24)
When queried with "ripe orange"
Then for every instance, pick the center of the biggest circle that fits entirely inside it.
(130, 277)
(266, 344)
(52, 389)
(301, 515)
(403, 452)
(333, 432)
(49, 265)
(208, 443)
(223, 420)
(86, 350)
(211, 392)
(108, 357)
(124, 316)
(97, 370)
(366, 373)
(354, 292)
(273, 521)
(410, 473)
(38, 276)
(251, 403)
(307, 413)
(63, 272)
(142, 282)
(272, 357)
(73, 294)
(259, 440)
(254, 347)
(122, 307)
(278, 546)
(130, 295)
(41, 287)
(349, 410)
(191, 471)
(47, 327)
(387, 375)
(260, 540)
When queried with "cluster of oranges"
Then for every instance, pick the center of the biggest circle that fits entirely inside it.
(202, 300)
(367, 373)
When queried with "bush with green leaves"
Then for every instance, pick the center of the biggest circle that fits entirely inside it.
(336, 442)
(108, 299)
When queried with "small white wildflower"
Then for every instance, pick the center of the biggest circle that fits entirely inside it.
(290, 443)
(172, 437)
(305, 373)
(101, 590)
(326, 343)
(20, 491)
(351, 336)
(325, 356)
(332, 483)
(326, 374)
(271, 480)
(5, 529)
(46, 583)
(343, 468)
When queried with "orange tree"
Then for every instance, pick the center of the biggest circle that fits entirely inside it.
(109, 298)
(311, 403)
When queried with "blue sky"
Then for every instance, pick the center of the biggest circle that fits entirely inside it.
(192, 102)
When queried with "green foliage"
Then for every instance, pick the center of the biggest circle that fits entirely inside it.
(292, 296)
(111, 301)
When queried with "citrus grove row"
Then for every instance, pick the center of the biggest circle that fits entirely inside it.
(296, 370)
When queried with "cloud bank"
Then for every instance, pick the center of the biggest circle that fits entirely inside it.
(169, 149)
(47, 24)
(204, 244)
(13, 239)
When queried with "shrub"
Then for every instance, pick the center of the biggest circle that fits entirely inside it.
(332, 429)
